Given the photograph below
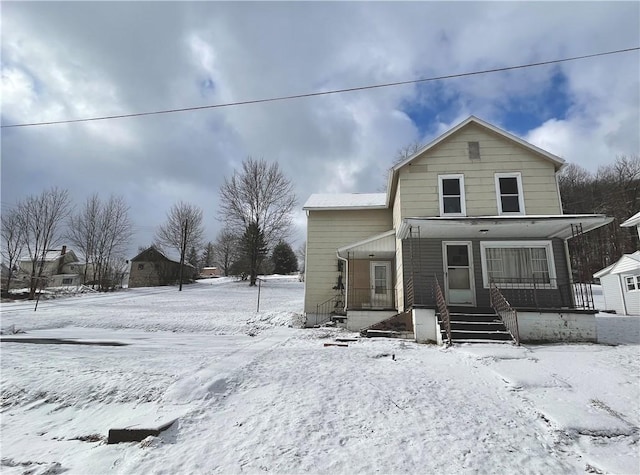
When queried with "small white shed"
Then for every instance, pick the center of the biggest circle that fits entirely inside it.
(633, 221)
(621, 285)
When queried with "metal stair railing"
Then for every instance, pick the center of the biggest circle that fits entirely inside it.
(442, 309)
(329, 307)
(505, 311)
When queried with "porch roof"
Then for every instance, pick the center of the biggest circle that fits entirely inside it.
(502, 227)
(379, 246)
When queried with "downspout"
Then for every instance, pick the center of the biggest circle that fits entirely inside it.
(346, 279)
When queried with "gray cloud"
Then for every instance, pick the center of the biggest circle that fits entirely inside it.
(80, 59)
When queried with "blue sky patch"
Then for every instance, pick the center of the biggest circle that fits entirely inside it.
(519, 114)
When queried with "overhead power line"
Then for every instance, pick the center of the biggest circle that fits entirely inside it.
(326, 93)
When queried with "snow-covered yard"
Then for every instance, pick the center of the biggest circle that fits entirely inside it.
(253, 392)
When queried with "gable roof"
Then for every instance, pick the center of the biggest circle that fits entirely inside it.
(52, 255)
(152, 254)
(557, 161)
(632, 221)
(328, 201)
(627, 263)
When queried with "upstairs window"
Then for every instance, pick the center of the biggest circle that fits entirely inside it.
(509, 193)
(451, 190)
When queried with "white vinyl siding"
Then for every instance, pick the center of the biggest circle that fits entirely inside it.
(451, 195)
(521, 263)
(509, 193)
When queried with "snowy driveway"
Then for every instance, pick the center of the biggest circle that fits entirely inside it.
(254, 395)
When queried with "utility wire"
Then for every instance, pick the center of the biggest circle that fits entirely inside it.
(325, 93)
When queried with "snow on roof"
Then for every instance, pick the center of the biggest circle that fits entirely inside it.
(50, 255)
(346, 200)
(632, 221)
(627, 263)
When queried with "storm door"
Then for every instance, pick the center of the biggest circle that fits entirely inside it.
(381, 284)
(458, 271)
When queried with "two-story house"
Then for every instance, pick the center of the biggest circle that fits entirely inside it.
(60, 267)
(475, 211)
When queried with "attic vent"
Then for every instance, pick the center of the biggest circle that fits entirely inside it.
(474, 150)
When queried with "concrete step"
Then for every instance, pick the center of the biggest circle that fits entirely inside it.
(457, 335)
(478, 326)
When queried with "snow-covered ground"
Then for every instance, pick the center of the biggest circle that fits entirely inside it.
(253, 392)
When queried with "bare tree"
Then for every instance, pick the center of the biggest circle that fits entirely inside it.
(101, 232)
(182, 230)
(82, 232)
(407, 151)
(401, 155)
(115, 231)
(41, 217)
(226, 250)
(12, 241)
(259, 197)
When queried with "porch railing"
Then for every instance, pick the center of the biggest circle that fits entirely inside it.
(542, 293)
(410, 295)
(582, 295)
(505, 311)
(364, 298)
(442, 309)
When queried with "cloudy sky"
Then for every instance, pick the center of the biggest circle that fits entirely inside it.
(87, 59)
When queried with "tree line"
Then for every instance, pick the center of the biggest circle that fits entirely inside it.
(612, 190)
(257, 202)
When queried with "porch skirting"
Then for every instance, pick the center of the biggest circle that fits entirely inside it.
(359, 319)
(557, 326)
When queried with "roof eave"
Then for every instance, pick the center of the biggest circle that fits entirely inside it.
(343, 208)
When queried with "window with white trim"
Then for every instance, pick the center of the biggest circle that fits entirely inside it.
(451, 193)
(633, 282)
(509, 193)
(522, 264)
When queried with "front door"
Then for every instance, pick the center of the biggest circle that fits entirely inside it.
(381, 284)
(458, 272)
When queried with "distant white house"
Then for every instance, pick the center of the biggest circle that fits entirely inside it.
(633, 221)
(621, 285)
(59, 267)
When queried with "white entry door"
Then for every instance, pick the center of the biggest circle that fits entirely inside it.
(381, 284)
(458, 271)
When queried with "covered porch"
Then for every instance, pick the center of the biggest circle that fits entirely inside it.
(527, 257)
(370, 273)
(519, 269)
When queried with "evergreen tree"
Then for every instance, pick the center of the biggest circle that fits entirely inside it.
(208, 255)
(192, 258)
(284, 259)
(254, 249)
